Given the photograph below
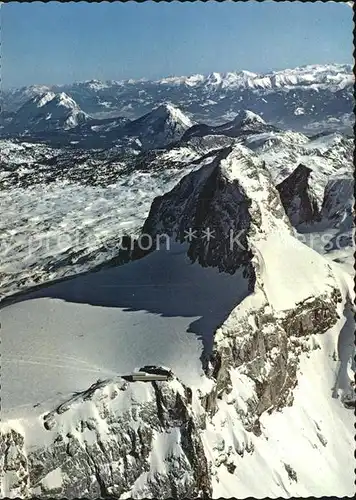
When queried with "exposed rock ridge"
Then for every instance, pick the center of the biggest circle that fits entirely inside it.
(260, 346)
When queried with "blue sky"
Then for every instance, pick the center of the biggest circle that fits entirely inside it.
(61, 43)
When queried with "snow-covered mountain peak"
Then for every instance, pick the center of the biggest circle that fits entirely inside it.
(42, 99)
(48, 111)
(189, 81)
(248, 74)
(247, 117)
(317, 74)
(97, 84)
(214, 79)
(243, 167)
(230, 194)
(37, 89)
(312, 98)
(93, 84)
(244, 124)
(63, 99)
(169, 111)
(52, 99)
(32, 91)
(161, 126)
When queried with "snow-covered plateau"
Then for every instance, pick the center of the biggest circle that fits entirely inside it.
(244, 298)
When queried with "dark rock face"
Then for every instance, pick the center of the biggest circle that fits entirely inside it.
(297, 197)
(206, 210)
(314, 315)
(263, 354)
(339, 200)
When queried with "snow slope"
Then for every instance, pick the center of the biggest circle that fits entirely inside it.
(159, 310)
(163, 125)
(310, 274)
(47, 112)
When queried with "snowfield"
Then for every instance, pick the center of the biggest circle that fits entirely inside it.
(163, 309)
(159, 310)
(310, 274)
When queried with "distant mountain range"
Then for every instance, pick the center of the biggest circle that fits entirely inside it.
(311, 99)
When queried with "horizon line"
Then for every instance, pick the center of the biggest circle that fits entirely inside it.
(172, 76)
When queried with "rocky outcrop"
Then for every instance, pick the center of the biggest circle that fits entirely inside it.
(113, 438)
(14, 471)
(263, 348)
(212, 210)
(297, 197)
